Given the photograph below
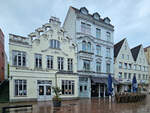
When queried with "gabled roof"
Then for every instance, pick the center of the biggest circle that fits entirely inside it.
(117, 47)
(135, 51)
(145, 49)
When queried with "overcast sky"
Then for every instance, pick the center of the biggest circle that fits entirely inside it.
(131, 18)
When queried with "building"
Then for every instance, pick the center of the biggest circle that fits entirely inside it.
(141, 66)
(129, 62)
(44, 59)
(94, 39)
(147, 53)
(2, 57)
(123, 65)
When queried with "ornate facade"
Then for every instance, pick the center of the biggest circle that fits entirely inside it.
(94, 38)
(44, 59)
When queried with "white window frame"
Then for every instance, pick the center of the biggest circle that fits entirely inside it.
(98, 33)
(70, 64)
(22, 56)
(50, 62)
(22, 92)
(86, 65)
(54, 44)
(108, 52)
(69, 87)
(98, 66)
(60, 62)
(98, 50)
(108, 67)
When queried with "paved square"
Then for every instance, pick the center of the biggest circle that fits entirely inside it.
(93, 105)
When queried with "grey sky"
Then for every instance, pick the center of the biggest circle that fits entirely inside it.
(131, 18)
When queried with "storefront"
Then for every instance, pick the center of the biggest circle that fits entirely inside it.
(99, 86)
(44, 90)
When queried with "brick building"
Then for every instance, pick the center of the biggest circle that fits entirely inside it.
(2, 56)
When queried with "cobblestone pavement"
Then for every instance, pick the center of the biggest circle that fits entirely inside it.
(93, 105)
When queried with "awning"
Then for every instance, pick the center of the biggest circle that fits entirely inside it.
(99, 80)
(103, 80)
(115, 81)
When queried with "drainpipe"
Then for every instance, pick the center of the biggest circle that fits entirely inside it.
(56, 79)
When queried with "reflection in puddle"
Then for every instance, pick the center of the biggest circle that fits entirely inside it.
(88, 106)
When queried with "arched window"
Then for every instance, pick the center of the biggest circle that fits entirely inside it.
(83, 45)
(89, 47)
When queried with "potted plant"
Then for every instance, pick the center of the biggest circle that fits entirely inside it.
(56, 99)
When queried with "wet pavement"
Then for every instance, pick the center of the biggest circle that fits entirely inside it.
(93, 105)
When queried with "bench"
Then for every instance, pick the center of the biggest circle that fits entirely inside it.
(16, 106)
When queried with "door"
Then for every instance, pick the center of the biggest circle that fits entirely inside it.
(95, 91)
(44, 92)
(102, 90)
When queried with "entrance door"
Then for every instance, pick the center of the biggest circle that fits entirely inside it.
(44, 92)
(95, 91)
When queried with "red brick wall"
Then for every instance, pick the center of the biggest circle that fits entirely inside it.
(2, 56)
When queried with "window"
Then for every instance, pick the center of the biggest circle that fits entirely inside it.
(122, 56)
(120, 75)
(108, 35)
(125, 65)
(38, 60)
(89, 47)
(98, 33)
(83, 45)
(135, 66)
(54, 44)
(60, 62)
(107, 52)
(85, 88)
(68, 87)
(140, 67)
(130, 66)
(85, 28)
(120, 64)
(49, 62)
(125, 75)
(20, 88)
(143, 76)
(98, 50)
(143, 68)
(86, 65)
(98, 67)
(18, 58)
(81, 89)
(139, 76)
(135, 74)
(70, 64)
(108, 68)
(127, 57)
(129, 76)
(146, 77)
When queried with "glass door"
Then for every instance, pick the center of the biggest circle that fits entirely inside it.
(44, 92)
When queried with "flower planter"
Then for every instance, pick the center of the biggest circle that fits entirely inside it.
(56, 103)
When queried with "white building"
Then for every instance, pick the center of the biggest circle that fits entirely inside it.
(40, 61)
(128, 63)
(94, 38)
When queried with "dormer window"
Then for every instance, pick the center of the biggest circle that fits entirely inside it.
(55, 44)
(107, 20)
(96, 16)
(84, 10)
